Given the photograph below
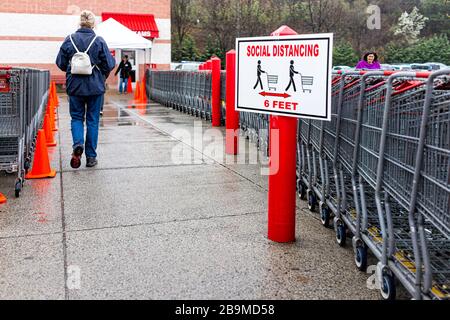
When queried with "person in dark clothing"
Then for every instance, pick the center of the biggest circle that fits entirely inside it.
(85, 91)
(292, 73)
(259, 74)
(125, 70)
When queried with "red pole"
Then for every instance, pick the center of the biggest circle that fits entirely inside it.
(232, 121)
(283, 166)
(215, 96)
(209, 65)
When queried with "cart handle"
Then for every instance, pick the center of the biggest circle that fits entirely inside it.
(387, 73)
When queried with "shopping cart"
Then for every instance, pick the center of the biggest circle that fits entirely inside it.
(307, 83)
(23, 98)
(389, 143)
(272, 81)
(339, 165)
(316, 169)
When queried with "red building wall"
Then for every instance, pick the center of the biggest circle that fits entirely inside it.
(160, 8)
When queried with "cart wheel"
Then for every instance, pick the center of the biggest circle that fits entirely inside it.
(361, 257)
(312, 202)
(301, 190)
(325, 216)
(341, 233)
(388, 290)
(18, 189)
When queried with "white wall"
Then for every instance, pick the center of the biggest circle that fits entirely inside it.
(161, 53)
(37, 25)
(164, 28)
(29, 51)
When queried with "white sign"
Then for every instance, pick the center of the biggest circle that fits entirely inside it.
(285, 75)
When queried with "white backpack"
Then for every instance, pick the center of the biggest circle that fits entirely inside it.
(81, 62)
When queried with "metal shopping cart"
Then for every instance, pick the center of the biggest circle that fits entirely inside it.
(23, 98)
(361, 168)
(314, 169)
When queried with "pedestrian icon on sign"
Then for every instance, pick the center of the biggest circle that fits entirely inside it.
(292, 73)
(259, 73)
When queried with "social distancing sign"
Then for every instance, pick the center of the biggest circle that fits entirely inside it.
(286, 75)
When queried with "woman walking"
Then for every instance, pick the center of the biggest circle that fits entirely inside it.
(87, 62)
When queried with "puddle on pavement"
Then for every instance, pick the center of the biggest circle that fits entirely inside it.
(116, 117)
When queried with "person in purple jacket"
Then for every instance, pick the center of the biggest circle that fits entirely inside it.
(370, 61)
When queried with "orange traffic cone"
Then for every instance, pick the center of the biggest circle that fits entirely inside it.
(50, 138)
(2, 199)
(55, 105)
(137, 92)
(41, 164)
(51, 98)
(51, 113)
(143, 94)
(55, 94)
(130, 86)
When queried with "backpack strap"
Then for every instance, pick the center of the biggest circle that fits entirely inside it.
(73, 43)
(90, 45)
(93, 40)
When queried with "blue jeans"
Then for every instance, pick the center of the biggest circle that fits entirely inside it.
(89, 106)
(123, 86)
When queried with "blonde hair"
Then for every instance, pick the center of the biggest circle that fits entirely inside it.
(87, 19)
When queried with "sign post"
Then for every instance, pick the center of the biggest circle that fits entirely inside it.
(216, 108)
(287, 76)
(232, 119)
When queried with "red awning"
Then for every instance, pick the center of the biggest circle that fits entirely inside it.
(142, 24)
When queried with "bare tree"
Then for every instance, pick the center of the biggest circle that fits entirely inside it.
(183, 18)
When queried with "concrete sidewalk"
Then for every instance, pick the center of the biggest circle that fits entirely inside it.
(141, 226)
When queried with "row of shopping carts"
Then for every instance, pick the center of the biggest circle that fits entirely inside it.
(379, 172)
(188, 92)
(23, 99)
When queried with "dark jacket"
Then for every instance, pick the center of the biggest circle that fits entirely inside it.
(124, 69)
(80, 85)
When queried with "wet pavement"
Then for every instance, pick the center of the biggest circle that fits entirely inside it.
(164, 216)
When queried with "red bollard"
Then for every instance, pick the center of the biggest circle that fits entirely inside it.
(232, 121)
(283, 167)
(209, 65)
(216, 66)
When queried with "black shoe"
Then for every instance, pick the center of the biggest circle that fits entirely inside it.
(75, 163)
(91, 162)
